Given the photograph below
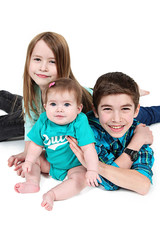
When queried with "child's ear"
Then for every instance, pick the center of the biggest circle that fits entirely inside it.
(44, 105)
(80, 107)
(137, 111)
(95, 112)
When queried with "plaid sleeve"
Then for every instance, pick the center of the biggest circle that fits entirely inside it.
(145, 162)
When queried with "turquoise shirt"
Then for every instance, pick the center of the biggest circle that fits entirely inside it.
(29, 122)
(53, 138)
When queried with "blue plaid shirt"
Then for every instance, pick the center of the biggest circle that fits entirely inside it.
(109, 149)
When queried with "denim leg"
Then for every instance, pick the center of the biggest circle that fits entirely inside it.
(149, 115)
(10, 102)
(11, 126)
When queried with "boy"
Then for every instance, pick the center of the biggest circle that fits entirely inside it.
(125, 158)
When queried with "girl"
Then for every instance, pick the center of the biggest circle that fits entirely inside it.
(63, 117)
(48, 58)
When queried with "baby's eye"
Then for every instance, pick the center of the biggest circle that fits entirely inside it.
(53, 104)
(67, 104)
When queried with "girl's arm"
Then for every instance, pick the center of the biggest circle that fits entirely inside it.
(92, 161)
(19, 158)
(33, 152)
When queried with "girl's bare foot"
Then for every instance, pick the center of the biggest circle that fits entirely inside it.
(143, 92)
(48, 200)
(26, 187)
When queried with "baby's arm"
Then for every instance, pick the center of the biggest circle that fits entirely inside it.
(33, 153)
(91, 159)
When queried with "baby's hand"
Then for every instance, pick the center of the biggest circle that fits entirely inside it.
(92, 177)
(27, 166)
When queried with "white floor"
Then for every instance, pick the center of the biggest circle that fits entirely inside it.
(93, 214)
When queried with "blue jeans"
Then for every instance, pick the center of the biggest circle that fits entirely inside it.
(149, 115)
(12, 124)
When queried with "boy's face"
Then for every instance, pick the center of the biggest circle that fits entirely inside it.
(61, 107)
(116, 113)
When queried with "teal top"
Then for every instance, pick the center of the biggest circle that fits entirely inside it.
(29, 122)
(53, 138)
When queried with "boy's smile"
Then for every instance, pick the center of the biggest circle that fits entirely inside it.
(116, 113)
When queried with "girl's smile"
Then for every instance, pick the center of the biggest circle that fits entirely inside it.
(42, 67)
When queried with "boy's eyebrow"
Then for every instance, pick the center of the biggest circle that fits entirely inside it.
(125, 105)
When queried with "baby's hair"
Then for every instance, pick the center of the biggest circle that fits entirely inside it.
(115, 83)
(65, 84)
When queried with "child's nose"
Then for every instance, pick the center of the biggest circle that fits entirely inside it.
(116, 117)
(59, 109)
(43, 66)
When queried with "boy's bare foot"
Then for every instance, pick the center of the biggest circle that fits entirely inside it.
(48, 200)
(26, 187)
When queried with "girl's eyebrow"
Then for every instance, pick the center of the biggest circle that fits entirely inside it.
(41, 56)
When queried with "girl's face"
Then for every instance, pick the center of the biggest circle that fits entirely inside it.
(116, 113)
(61, 107)
(42, 67)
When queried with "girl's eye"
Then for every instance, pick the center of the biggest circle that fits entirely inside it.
(52, 61)
(37, 59)
(67, 104)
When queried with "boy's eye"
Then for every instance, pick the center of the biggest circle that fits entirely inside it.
(125, 109)
(106, 109)
(67, 104)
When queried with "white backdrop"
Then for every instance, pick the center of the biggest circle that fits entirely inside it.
(103, 36)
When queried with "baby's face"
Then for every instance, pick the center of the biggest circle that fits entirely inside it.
(61, 107)
(116, 113)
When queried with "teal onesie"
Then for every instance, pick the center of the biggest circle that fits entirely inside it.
(53, 138)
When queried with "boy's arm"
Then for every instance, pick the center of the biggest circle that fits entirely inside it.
(33, 152)
(142, 135)
(125, 178)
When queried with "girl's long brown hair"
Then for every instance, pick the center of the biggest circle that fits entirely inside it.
(60, 48)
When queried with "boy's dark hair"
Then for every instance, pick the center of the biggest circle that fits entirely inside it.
(115, 83)
(65, 84)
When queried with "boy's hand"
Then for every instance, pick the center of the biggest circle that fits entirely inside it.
(92, 177)
(27, 166)
(144, 134)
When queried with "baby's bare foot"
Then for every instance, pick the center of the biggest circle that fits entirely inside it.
(48, 200)
(26, 187)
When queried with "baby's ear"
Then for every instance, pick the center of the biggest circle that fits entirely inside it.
(95, 112)
(44, 105)
(80, 107)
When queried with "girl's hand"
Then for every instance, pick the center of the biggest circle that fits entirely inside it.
(92, 177)
(77, 150)
(17, 161)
